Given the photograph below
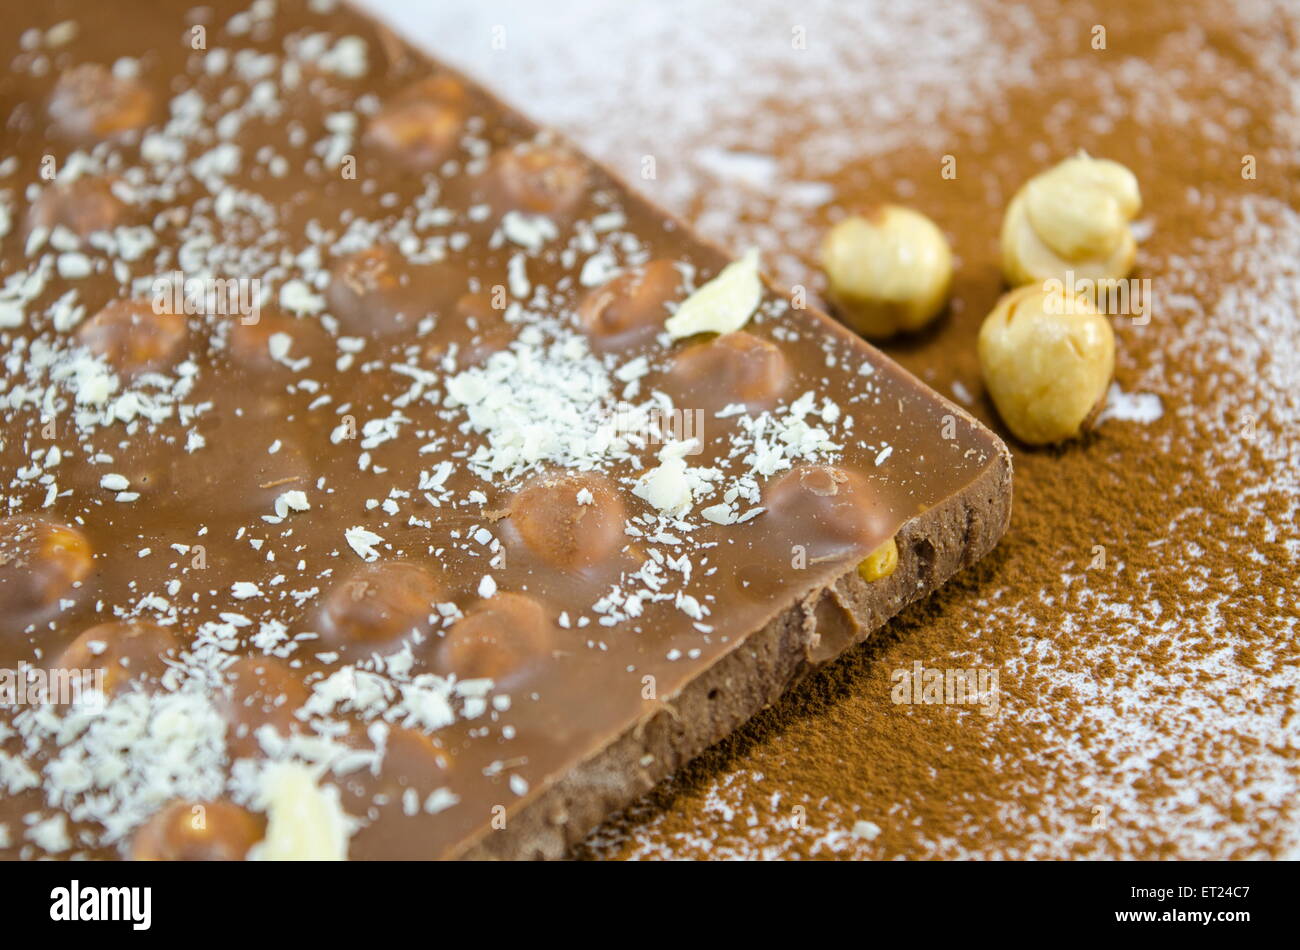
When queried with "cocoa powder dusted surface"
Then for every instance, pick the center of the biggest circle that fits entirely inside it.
(1141, 611)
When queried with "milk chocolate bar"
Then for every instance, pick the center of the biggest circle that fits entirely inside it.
(384, 479)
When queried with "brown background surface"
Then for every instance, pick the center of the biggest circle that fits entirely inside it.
(1147, 703)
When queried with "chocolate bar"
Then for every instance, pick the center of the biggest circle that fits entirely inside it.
(385, 478)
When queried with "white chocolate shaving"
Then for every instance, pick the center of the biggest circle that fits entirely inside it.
(723, 304)
(304, 820)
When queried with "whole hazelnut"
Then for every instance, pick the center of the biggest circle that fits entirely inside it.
(1073, 217)
(888, 271)
(1047, 359)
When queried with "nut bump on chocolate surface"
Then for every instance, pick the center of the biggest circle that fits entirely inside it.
(403, 509)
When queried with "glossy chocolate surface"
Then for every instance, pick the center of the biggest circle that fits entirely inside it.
(419, 247)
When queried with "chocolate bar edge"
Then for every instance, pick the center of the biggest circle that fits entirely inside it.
(805, 636)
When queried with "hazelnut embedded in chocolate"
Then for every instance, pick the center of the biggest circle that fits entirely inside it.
(422, 126)
(826, 510)
(359, 286)
(537, 178)
(376, 291)
(84, 206)
(413, 767)
(412, 759)
(571, 521)
(880, 563)
(496, 638)
(378, 606)
(40, 562)
(263, 691)
(134, 338)
(733, 368)
(632, 307)
(273, 340)
(91, 104)
(129, 652)
(472, 332)
(198, 831)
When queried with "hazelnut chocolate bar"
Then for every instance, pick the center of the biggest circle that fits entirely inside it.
(383, 478)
